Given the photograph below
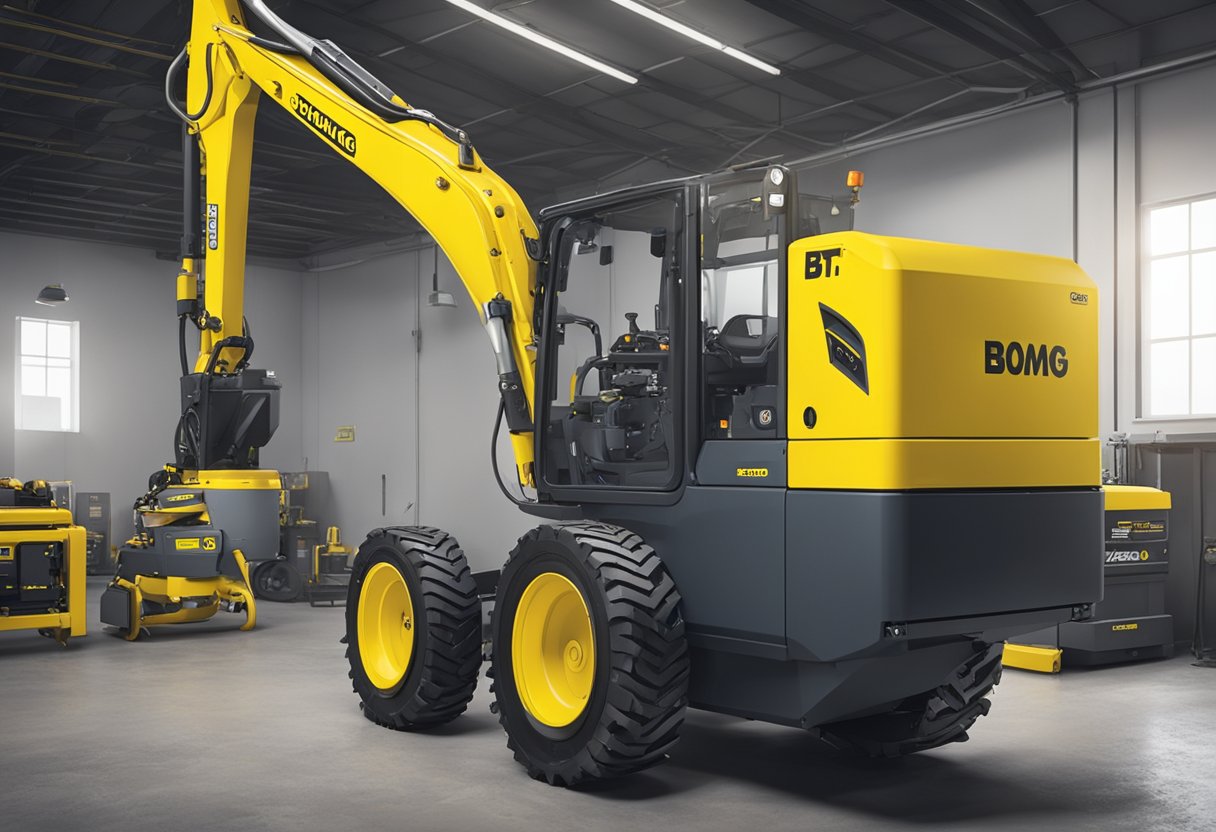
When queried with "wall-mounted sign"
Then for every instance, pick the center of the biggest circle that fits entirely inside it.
(346, 433)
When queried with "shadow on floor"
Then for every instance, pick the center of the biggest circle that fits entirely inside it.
(923, 789)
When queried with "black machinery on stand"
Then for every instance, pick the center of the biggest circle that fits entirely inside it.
(310, 564)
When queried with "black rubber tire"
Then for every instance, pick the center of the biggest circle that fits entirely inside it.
(446, 662)
(640, 690)
(929, 720)
(277, 580)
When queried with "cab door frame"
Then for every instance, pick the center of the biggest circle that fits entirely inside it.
(684, 336)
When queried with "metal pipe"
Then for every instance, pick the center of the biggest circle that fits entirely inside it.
(82, 98)
(37, 27)
(499, 342)
(120, 35)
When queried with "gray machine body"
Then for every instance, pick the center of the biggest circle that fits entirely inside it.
(244, 519)
(805, 607)
(249, 518)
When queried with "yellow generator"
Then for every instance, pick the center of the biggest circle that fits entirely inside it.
(42, 563)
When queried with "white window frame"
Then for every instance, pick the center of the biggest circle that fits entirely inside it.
(73, 416)
(1145, 313)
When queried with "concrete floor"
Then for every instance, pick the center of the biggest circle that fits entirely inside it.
(205, 726)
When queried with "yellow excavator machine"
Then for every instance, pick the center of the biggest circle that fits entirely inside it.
(782, 469)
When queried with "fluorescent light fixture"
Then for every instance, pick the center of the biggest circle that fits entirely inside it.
(540, 40)
(740, 55)
(691, 33)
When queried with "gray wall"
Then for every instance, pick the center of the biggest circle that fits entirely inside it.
(363, 367)
(360, 369)
(456, 411)
(124, 301)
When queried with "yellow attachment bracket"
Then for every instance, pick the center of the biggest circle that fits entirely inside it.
(1038, 659)
(171, 590)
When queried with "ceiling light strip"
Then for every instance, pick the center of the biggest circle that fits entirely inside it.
(692, 34)
(541, 40)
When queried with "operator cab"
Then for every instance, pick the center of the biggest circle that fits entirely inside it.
(684, 282)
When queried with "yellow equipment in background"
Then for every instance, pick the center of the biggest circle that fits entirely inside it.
(186, 561)
(331, 561)
(42, 563)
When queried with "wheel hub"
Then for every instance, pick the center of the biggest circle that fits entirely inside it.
(385, 626)
(553, 650)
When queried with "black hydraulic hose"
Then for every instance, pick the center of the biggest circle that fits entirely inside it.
(181, 344)
(502, 411)
(247, 331)
(171, 76)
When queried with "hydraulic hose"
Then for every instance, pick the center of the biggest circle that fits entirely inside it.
(181, 344)
(502, 486)
(171, 76)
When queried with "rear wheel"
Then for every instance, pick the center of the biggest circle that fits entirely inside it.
(413, 628)
(929, 720)
(590, 663)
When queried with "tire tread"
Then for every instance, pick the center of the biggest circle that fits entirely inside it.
(452, 660)
(648, 694)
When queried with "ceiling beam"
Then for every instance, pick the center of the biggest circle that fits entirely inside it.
(806, 16)
(57, 56)
(948, 21)
(1037, 30)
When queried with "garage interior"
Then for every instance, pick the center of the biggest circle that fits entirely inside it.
(1077, 132)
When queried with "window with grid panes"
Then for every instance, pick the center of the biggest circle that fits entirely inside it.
(1179, 310)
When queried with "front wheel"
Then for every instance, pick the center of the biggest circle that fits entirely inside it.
(590, 663)
(413, 628)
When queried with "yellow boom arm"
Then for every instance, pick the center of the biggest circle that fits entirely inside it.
(429, 167)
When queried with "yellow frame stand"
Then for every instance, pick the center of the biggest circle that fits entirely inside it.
(50, 525)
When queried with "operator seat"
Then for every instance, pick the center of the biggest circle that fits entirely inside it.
(743, 352)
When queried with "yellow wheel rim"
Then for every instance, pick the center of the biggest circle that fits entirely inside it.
(386, 626)
(553, 650)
